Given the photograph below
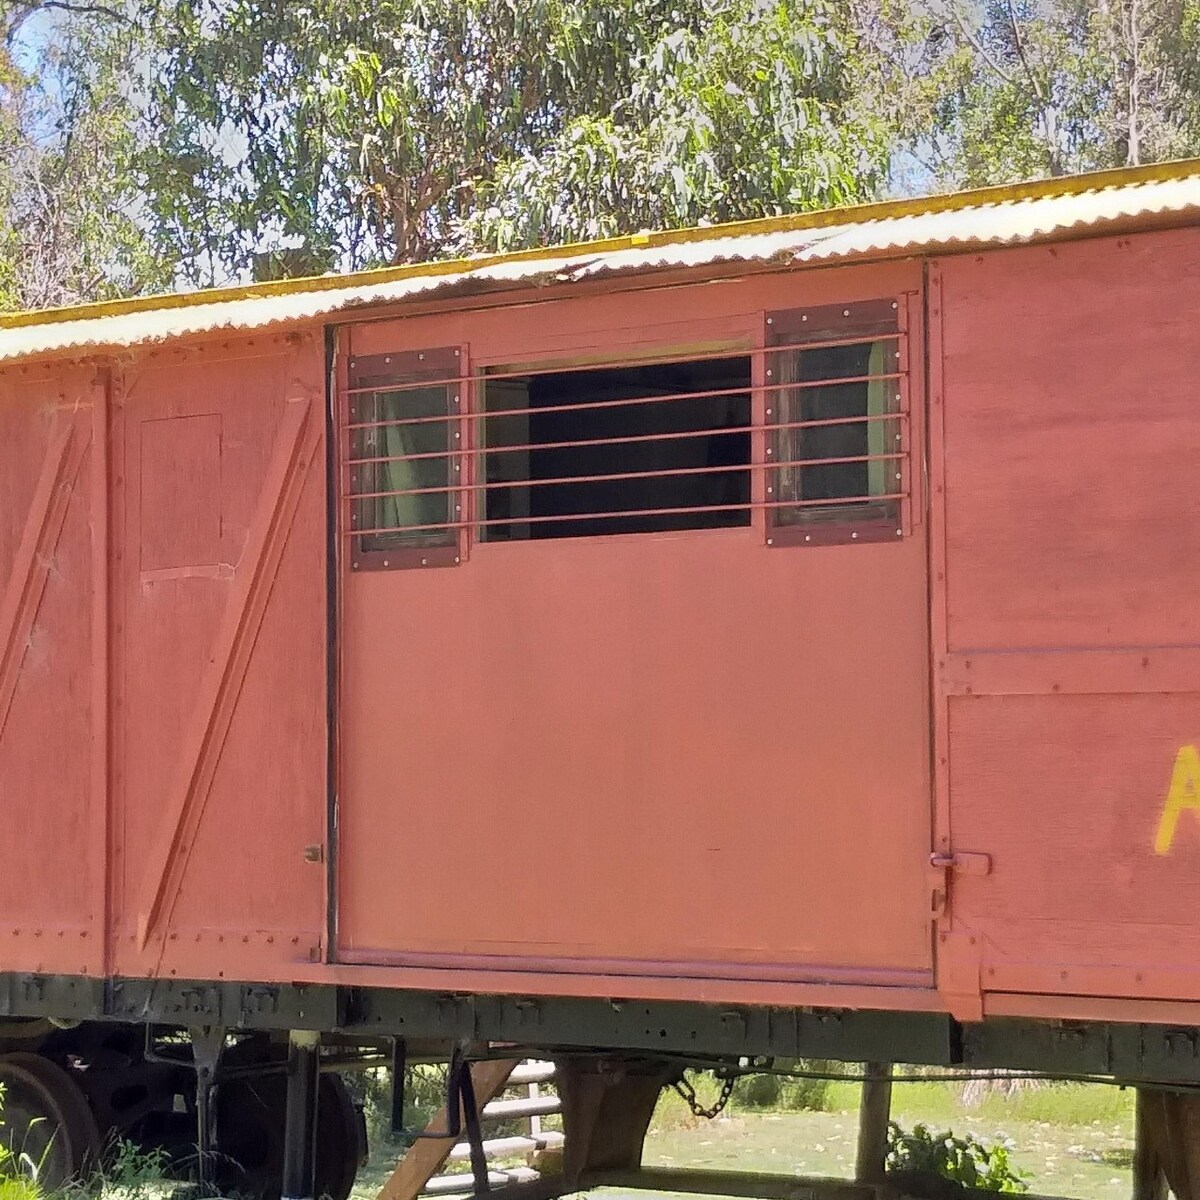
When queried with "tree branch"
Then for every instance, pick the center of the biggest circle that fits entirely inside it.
(78, 7)
(1020, 44)
(978, 46)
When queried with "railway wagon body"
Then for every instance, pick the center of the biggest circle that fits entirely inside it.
(773, 640)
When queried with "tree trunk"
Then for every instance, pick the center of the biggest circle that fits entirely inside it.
(1134, 151)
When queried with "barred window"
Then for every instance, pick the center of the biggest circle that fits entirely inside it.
(804, 437)
(403, 468)
(627, 448)
(834, 403)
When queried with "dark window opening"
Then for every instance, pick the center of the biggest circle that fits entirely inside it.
(636, 449)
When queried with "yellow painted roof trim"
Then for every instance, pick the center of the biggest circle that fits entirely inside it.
(855, 214)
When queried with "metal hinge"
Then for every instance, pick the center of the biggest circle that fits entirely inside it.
(942, 864)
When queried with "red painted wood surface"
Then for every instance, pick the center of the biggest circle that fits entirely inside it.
(51, 886)
(162, 753)
(1067, 669)
(222, 784)
(705, 745)
(717, 752)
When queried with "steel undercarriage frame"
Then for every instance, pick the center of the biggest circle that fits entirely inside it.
(1133, 1052)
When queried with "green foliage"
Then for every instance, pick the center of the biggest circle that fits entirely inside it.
(672, 1111)
(962, 1159)
(130, 1172)
(1063, 1104)
(935, 1101)
(69, 227)
(19, 1187)
(424, 1094)
(750, 112)
(783, 1093)
(405, 129)
(18, 1170)
(134, 1173)
(149, 142)
(1014, 89)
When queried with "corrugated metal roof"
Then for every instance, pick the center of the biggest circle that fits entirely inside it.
(1104, 202)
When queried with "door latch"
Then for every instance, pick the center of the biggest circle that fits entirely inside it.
(940, 867)
(964, 863)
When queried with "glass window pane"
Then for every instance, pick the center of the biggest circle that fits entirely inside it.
(835, 433)
(406, 496)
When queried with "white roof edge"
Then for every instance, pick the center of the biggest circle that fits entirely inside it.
(989, 224)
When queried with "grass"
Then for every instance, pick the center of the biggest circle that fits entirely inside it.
(129, 1174)
(935, 1102)
(1067, 1139)
(1057, 1104)
(19, 1187)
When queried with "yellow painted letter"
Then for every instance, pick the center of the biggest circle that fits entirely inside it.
(1183, 793)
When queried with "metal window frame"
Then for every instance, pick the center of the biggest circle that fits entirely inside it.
(838, 523)
(409, 368)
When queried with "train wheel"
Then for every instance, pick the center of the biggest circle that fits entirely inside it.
(46, 1121)
(24, 1033)
(250, 1120)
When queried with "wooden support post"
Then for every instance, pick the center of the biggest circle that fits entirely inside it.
(606, 1107)
(1167, 1140)
(1149, 1182)
(425, 1157)
(300, 1119)
(874, 1113)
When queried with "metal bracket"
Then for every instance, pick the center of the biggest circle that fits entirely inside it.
(462, 1109)
(959, 975)
(208, 1043)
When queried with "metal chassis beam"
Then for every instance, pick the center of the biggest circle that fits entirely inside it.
(1133, 1052)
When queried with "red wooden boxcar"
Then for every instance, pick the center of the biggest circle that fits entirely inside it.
(769, 640)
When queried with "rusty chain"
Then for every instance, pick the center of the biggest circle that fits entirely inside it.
(684, 1087)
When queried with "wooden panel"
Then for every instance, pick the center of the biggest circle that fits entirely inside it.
(1094, 838)
(222, 665)
(49, 919)
(714, 745)
(180, 473)
(1072, 444)
(1066, 664)
(26, 420)
(729, 764)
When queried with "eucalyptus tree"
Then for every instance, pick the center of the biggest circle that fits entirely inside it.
(1023, 88)
(69, 202)
(402, 130)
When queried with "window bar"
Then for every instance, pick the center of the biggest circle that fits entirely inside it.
(904, 477)
(400, 373)
(558, 368)
(668, 398)
(459, 464)
(620, 475)
(639, 512)
(466, 446)
(646, 437)
(893, 487)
